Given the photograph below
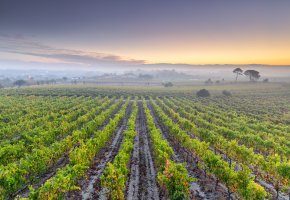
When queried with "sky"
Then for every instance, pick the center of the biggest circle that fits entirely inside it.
(95, 33)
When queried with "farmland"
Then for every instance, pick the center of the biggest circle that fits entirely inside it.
(87, 142)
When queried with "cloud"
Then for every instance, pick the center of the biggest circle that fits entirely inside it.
(19, 45)
(14, 36)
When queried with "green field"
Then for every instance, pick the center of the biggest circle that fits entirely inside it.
(138, 142)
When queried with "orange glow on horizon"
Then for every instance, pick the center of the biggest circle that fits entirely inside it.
(262, 51)
(249, 49)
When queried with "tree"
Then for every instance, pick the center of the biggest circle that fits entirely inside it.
(252, 74)
(19, 83)
(168, 84)
(209, 81)
(145, 76)
(266, 80)
(203, 93)
(227, 93)
(238, 72)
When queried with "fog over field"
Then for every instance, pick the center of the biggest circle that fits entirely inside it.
(137, 100)
(195, 72)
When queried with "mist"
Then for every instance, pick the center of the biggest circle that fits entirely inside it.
(154, 74)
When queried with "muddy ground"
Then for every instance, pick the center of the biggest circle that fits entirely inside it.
(204, 187)
(142, 182)
(90, 186)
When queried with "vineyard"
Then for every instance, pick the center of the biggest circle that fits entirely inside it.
(106, 143)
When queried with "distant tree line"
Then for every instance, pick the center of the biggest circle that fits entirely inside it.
(20, 83)
(168, 84)
(253, 75)
(205, 93)
(210, 82)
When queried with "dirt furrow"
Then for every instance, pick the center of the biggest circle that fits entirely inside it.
(142, 183)
(62, 161)
(133, 185)
(203, 187)
(268, 187)
(91, 188)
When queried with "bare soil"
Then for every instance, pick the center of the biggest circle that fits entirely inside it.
(63, 160)
(142, 182)
(90, 186)
(268, 187)
(204, 187)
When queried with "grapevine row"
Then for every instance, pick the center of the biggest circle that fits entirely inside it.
(116, 174)
(236, 181)
(172, 177)
(80, 160)
(270, 169)
(16, 175)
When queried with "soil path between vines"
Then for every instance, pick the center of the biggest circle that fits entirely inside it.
(62, 161)
(268, 187)
(90, 188)
(142, 182)
(203, 187)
